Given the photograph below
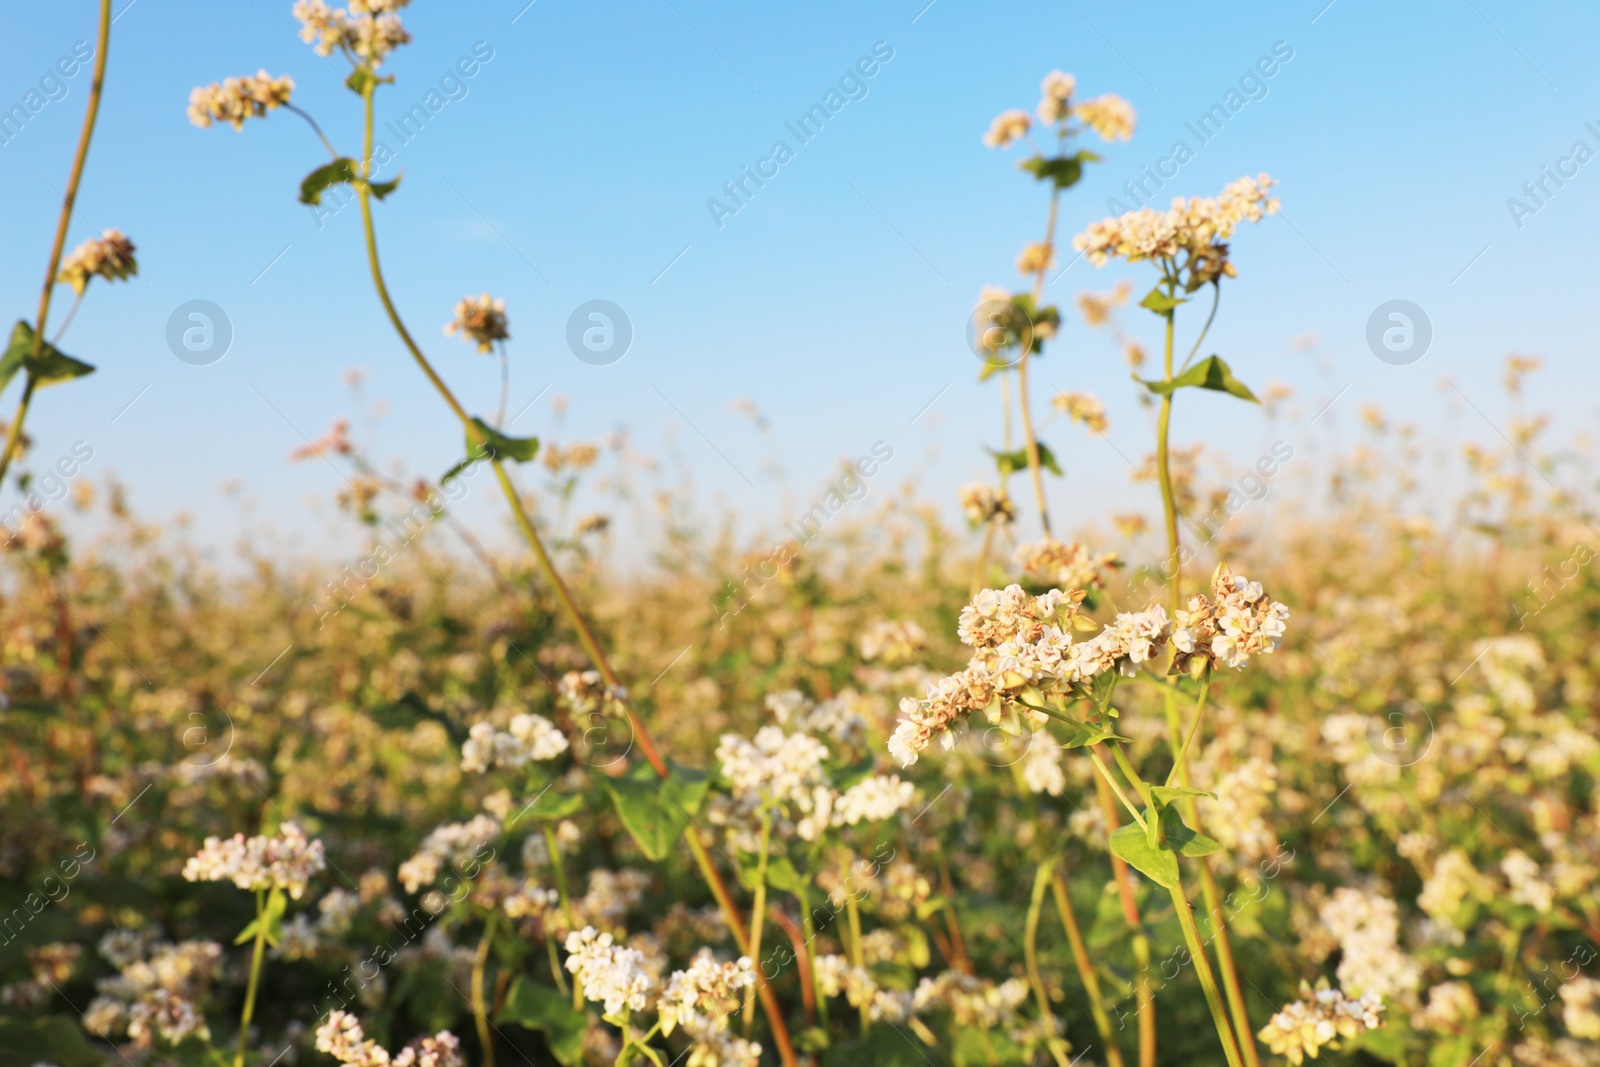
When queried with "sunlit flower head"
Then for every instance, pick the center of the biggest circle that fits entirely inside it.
(109, 256)
(1007, 127)
(236, 99)
(1056, 89)
(1108, 115)
(480, 319)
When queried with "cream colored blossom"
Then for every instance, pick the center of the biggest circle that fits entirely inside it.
(109, 256)
(984, 503)
(1109, 115)
(1192, 233)
(1008, 126)
(236, 99)
(1085, 408)
(1056, 89)
(286, 861)
(1318, 1020)
(481, 320)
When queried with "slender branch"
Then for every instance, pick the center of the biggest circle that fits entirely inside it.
(1030, 950)
(69, 198)
(1216, 298)
(480, 1012)
(255, 977)
(1105, 773)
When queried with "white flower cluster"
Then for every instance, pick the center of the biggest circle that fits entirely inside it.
(1529, 886)
(1580, 1007)
(341, 1037)
(1085, 408)
(1008, 126)
(480, 319)
(873, 800)
(1367, 928)
(1239, 621)
(836, 975)
(236, 99)
(1237, 817)
(1054, 93)
(286, 861)
(1019, 642)
(457, 844)
(837, 718)
(608, 973)
(1197, 228)
(367, 30)
(156, 988)
(1065, 566)
(1108, 115)
(1318, 1019)
(109, 256)
(1042, 771)
(585, 693)
(531, 737)
(972, 1001)
(701, 998)
(983, 503)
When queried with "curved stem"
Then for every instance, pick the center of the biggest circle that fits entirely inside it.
(1181, 753)
(90, 116)
(714, 880)
(1105, 774)
(480, 1012)
(1145, 997)
(1030, 950)
(1216, 298)
(505, 388)
(317, 129)
(72, 312)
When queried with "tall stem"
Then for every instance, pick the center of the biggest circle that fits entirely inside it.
(1086, 973)
(480, 1011)
(1169, 502)
(255, 977)
(714, 880)
(90, 115)
(1208, 982)
(1030, 951)
(758, 910)
(1031, 441)
(1146, 1013)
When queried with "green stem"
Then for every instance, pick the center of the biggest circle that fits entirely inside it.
(719, 889)
(758, 911)
(1181, 753)
(255, 977)
(1030, 950)
(857, 953)
(480, 1011)
(1105, 774)
(1030, 439)
(553, 846)
(1169, 503)
(1208, 981)
(1086, 973)
(90, 116)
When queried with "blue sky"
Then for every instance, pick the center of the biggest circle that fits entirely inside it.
(577, 164)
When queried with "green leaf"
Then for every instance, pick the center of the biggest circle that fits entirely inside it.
(55, 1039)
(383, 189)
(657, 811)
(542, 1008)
(1085, 734)
(495, 445)
(51, 365)
(271, 917)
(1166, 794)
(1155, 862)
(1184, 841)
(17, 350)
(1211, 373)
(552, 807)
(784, 876)
(882, 1046)
(359, 81)
(1063, 170)
(1160, 302)
(1017, 460)
(340, 172)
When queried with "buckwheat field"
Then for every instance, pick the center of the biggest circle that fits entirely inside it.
(1252, 763)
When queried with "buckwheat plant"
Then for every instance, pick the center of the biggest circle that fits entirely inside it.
(366, 34)
(1014, 326)
(109, 256)
(276, 869)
